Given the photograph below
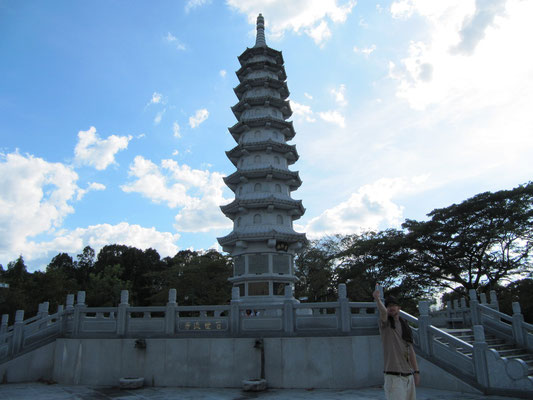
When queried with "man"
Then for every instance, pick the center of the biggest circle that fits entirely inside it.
(401, 369)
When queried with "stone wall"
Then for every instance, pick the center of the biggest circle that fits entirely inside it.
(312, 362)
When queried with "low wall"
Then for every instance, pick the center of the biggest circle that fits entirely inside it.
(30, 367)
(319, 362)
(310, 362)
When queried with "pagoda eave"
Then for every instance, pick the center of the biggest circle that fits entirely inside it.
(247, 84)
(235, 206)
(244, 104)
(237, 177)
(257, 51)
(289, 151)
(286, 127)
(234, 237)
(262, 65)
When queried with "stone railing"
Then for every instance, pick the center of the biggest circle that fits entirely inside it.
(476, 363)
(456, 314)
(237, 319)
(512, 328)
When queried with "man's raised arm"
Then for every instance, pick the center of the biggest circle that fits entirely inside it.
(381, 307)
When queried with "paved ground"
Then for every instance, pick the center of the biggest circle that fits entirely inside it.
(40, 391)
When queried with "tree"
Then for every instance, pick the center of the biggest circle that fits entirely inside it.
(315, 266)
(374, 258)
(486, 239)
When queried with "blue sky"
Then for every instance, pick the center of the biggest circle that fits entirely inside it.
(114, 114)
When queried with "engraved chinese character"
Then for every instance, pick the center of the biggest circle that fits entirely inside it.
(187, 325)
(207, 325)
(219, 325)
(197, 326)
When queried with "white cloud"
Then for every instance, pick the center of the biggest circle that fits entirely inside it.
(98, 236)
(339, 95)
(156, 98)
(176, 129)
(223, 73)
(365, 50)
(175, 152)
(199, 117)
(319, 33)
(333, 117)
(308, 96)
(192, 4)
(35, 198)
(198, 193)
(308, 16)
(93, 186)
(474, 26)
(96, 152)
(473, 57)
(159, 116)
(370, 208)
(174, 40)
(302, 110)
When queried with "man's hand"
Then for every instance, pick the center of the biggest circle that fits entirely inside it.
(376, 294)
(417, 379)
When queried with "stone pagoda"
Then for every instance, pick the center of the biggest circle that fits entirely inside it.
(263, 242)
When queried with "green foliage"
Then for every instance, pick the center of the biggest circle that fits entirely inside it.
(483, 240)
(316, 270)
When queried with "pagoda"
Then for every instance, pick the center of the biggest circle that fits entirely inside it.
(263, 242)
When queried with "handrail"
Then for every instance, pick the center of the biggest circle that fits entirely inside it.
(458, 342)
(409, 317)
(496, 313)
(329, 304)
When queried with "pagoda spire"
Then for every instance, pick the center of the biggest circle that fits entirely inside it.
(260, 39)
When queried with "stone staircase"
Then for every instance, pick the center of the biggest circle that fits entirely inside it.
(503, 347)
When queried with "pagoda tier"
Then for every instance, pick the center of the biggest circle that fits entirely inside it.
(259, 234)
(247, 149)
(254, 54)
(249, 67)
(263, 242)
(251, 176)
(266, 82)
(272, 203)
(275, 124)
(265, 101)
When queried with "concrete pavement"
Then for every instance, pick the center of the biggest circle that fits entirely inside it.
(42, 391)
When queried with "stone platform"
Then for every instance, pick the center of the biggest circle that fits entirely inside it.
(42, 391)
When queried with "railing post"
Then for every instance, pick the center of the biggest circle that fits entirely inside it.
(483, 298)
(475, 318)
(43, 309)
(18, 333)
(122, 317)
(518, 320)
(60, 320)
(70, 301)
(494, 300)
(480, 356)
(234, 311)
(423, 327)
(78, 311)
(344, 309)
(288, 310)
(5, 321)
(464, 312)
(170, 313)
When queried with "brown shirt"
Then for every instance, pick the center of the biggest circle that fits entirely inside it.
(395, 349)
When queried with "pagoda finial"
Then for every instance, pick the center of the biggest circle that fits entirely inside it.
(260, 39)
